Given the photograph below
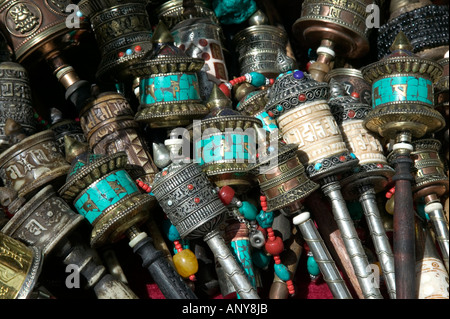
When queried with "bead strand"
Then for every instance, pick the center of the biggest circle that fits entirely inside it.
(184, 260)
(254, 78)
(146, 188)
(274, 245)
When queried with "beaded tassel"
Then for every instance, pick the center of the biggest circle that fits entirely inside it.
(274, 245)
(254, 78)
(184, 260)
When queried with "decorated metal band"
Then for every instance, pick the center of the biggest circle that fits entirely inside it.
(174, 87)
(171, 12)
(107, 191)
(331, 165)
(225, 147)
(293, 89)
(189, 199)
(347, 14)
(20, 268)
(403, 89)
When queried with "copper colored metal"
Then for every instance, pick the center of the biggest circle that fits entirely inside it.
(109, 126)
(32, 163)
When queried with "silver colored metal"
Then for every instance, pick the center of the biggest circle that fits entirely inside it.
(192, 204)
(322, 256)
(230, 266)
(351, 240)
(440, 227)
(380, 240)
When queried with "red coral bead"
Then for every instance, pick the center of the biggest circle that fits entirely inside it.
(274, 247)
(302, 97)
(226, 194)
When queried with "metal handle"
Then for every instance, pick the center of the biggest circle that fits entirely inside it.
(351, 241)
(327, 266)
(230, 266)
(380, 240)
(440, 227)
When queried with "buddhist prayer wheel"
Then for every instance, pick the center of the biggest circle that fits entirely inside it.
(224, 149)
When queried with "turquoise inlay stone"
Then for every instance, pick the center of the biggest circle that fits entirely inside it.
(248, 210)
(230, 146)
(312, 266)
(104, 193)
(279, 108)
(402, 88)
(241, 252)
(282, 272)
(234, 11)
(260, 259)
(318, 166)
(170, 230)
(129, 52)
(258, 79)
(353, 155)
(269, 124)
(265, 219)
(169, 88)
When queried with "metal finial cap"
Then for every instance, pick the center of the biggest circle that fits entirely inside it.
(401, 42)
(162, 34)
(218, 99)
(73, 148)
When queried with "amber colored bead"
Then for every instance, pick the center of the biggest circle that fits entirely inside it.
(185, 263)
(274, 247)
(390, 205)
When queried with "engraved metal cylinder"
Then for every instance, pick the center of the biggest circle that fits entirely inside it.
(299, 104)
(43, 221)
(123, 33)
(65, 127)
(373, 169)
(21, 266)
(104, 193)
(328, 268)
(193, 206)
(284, 181)
(343, 23)
(15, 100)
(171, 12)
(169, 93)
(402, 93)
(200, 38)
(351, 241)
(189, 199)
(257, 48)
(37, 28)
(33, 163)
(109, 126)
(225, 148)
(353, 81)
(429, 174)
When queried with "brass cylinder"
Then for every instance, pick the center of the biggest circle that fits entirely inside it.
(20, 267)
